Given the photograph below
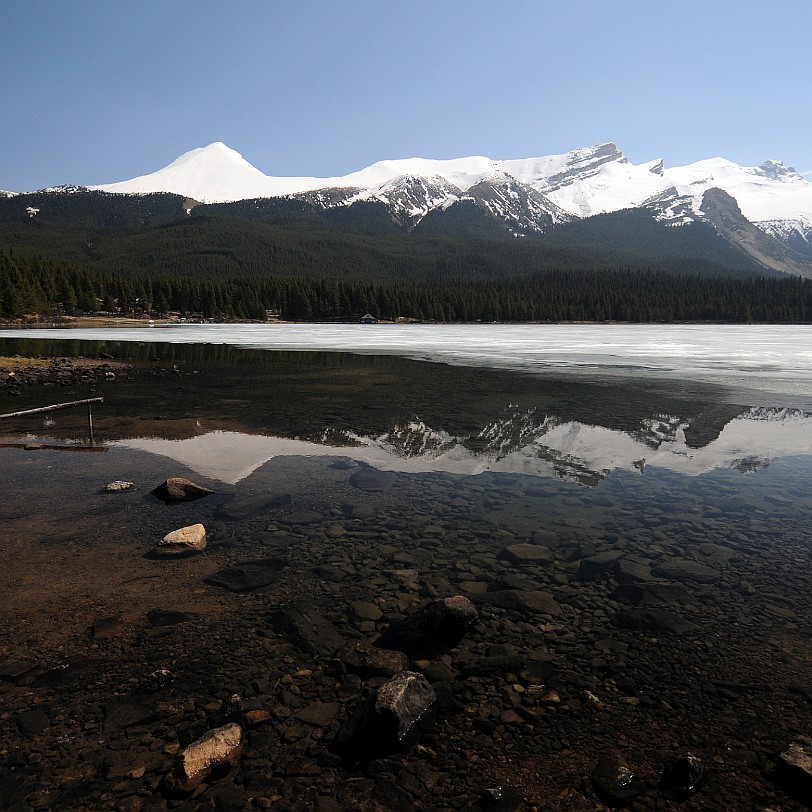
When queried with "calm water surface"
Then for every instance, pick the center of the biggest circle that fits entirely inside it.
(675, 507)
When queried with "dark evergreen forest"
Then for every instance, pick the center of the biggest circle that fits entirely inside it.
(30, 285)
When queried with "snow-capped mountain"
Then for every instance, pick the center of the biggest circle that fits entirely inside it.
(526, 194)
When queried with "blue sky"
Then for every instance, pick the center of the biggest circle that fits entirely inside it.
(96, 91)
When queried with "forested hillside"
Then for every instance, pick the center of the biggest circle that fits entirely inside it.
(78, 251)
(32, 285)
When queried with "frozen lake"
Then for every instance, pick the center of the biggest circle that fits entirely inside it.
(762, 357)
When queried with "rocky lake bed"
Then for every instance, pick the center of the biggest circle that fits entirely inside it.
(346, 637)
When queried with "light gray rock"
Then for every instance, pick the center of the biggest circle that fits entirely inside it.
(119, 485)
(183, 540)
(220, 747)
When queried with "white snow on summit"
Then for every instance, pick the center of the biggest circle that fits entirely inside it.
(582, 183)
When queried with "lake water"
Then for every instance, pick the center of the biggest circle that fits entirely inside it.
(628, 507)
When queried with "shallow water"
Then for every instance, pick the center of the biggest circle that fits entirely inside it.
(647, 536)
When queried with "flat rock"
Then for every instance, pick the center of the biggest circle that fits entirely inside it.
(599, 565)
(370, 661)
(655, 620)
(244, 507)
(533, 602)
(372, 480)
(159, 618)
(246, 576)
(686, 571)
(178, 489)
(301, 518)
(527, 554)
(318, 714)
(107, 627)
(33, 722)
(302, 624)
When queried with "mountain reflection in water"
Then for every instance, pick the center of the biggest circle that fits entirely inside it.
(225, 411)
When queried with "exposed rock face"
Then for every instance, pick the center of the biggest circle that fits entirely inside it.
(178, 489)
(216, 749)
(183, 540)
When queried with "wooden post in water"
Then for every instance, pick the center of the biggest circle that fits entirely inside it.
(58, 406)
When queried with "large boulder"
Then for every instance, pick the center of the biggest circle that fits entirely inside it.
(391, 720)
(178, 489)
(191, 539)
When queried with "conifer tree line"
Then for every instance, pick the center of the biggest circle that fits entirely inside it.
(33, 285)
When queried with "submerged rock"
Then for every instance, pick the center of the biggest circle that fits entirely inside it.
(615, 783)
(435, 627)
(684, 775)
(303, 626)
(178, 489)
(246, 576)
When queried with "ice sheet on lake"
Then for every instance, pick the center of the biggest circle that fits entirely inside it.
(756, 352)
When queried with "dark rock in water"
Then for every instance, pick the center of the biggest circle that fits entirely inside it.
(599, 565)
(796, 765)
(527, 554)
(500, 799)
(248, 575)
(369, 661)
(33, 722)
(119, 714)
(107, 627)
(244, 507)
(307, 629)
(684, 775)
(373, 480)
(358, 510)
(388, 720)
(495, 666)
(631, 572)
(158, 618)
(65, 673)
(526, 602)
(646, 594)
(18, 672)
(301, 518)
(686, 571)
(177, 489)
(655, 620)
(615, 783)
(433, 629)
(14, 784)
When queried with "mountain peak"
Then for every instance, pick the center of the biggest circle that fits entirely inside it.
(776, 170)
